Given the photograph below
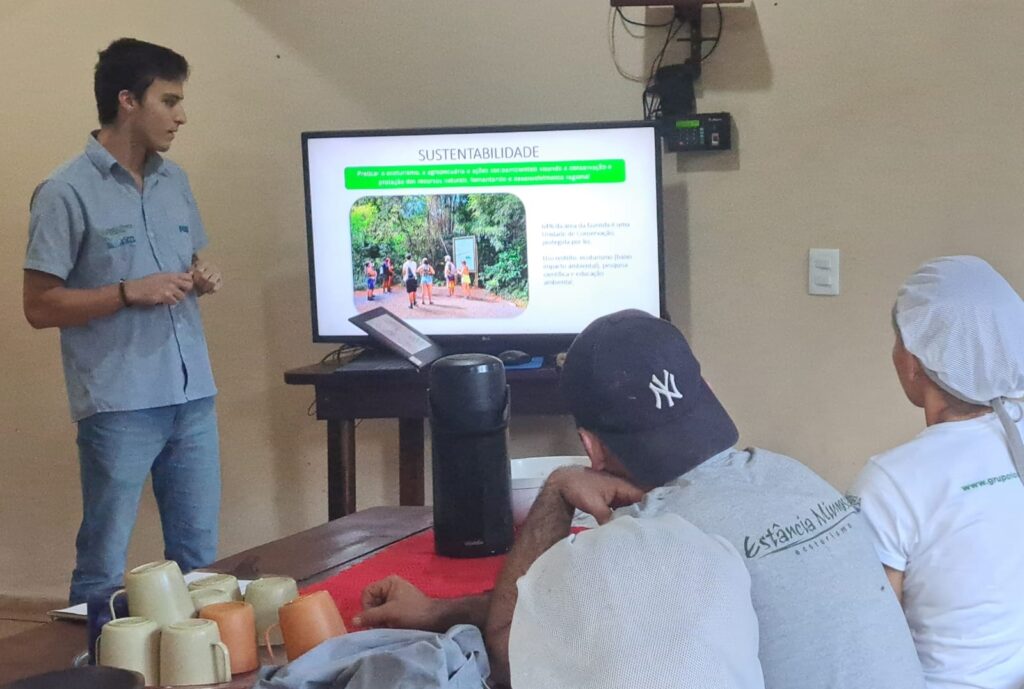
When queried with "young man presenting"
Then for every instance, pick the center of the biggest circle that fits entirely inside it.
(113, 262)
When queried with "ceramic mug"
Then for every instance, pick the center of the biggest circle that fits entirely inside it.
(191, 652)
(131, 643)
(267, 595)
(306, 622)
(208, 596)
(236, 622)
(98, 613)
(156, 590)
(220, 582)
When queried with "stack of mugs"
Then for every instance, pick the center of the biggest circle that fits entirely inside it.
(165, 641)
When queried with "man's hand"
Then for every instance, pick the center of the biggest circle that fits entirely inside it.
(395, 603)
(158, 289)
(206, 279)
(593, 492)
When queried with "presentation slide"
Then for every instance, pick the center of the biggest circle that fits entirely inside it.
(511, 232)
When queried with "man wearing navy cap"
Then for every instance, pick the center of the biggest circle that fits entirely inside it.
(827, 615)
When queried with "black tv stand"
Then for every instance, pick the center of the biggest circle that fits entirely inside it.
(381, 385)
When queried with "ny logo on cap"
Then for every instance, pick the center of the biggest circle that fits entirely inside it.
(661, 387)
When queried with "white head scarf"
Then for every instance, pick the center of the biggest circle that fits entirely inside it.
(649, 602)
(965, 323)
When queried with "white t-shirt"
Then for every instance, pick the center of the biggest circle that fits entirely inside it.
(652, 603)
(947, 509)
(409, 269)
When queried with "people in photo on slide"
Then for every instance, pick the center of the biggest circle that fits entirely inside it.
(449, 275)
(386, 272)
(426, 273)
(409, 277)
(371, 280)
(467, 282)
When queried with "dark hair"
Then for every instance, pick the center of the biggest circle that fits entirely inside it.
(131, 64)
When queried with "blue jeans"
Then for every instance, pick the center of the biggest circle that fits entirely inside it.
(179, 445)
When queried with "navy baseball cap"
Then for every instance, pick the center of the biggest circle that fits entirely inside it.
(632, 379)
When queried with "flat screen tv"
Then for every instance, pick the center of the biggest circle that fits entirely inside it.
(545, 227)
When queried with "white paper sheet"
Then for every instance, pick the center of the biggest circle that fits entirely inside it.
(79, 612)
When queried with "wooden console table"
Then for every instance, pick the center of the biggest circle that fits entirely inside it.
(382, 386)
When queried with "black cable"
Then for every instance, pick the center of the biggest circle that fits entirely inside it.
(333, 354)
(718, 36)
(651, 103)
(652, 106)
(660, 57)
(618, 11)
(342, 354)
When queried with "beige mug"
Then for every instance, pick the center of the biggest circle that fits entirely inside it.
(220, 582)
(267, 595)
(191, 652)
(237, 625)
(131, 643)
(208, 596)
(156, 590)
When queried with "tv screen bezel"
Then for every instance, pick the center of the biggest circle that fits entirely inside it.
(534, 343)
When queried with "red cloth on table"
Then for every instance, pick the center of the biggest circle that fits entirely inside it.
(413, 559)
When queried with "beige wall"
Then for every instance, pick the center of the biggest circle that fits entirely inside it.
(888, 130)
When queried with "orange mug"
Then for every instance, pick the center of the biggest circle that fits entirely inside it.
(306, 622)
(237, 624)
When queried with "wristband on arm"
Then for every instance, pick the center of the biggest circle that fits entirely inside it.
(124, 295)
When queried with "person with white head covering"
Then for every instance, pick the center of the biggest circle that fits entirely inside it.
(946, 509)
(602, 610)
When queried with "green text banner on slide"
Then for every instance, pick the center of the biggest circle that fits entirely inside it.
(486, 175)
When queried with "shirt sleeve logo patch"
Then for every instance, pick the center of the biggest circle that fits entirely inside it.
(183, 228)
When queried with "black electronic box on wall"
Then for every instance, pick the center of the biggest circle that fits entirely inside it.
(698, 132)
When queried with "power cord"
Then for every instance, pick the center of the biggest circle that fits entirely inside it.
(626, 20)
(614, 53)
(650, 100)
(342, 355)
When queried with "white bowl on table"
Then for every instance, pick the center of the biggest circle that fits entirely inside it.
(529, 474)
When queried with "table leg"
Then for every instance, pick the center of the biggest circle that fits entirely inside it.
(410, 461)
(341, 467)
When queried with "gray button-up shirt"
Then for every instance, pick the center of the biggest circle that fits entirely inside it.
(91, 227)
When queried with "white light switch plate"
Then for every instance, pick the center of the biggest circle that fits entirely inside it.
(823, 272)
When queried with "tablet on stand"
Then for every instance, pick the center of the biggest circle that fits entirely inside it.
(398, 336)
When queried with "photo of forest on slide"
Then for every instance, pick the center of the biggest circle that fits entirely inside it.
(483, 234)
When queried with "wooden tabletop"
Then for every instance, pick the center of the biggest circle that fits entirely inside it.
(308, 557)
